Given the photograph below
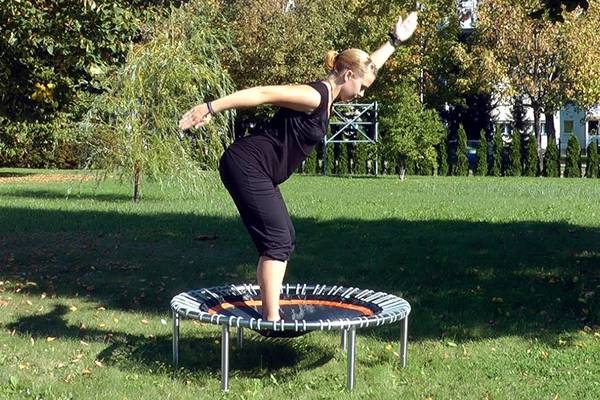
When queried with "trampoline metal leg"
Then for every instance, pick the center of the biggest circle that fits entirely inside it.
(404, 342)
(345, 339)
(240, 338)
(351, 357)
(225, 359)
(175, 338)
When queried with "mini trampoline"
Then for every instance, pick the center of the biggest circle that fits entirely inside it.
(304, 308)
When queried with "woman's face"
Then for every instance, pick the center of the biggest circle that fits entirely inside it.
(355, 85)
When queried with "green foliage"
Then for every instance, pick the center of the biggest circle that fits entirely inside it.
(482, 155)
(551, 160)
(593, 164)
(360, 158)
(329, 161)
(515, 166)
(442, 151)
(310, 164)
(410, 132)
(461, 167)
(498, 150)
(573, 160)
(54, 143)
(277, 47)
(52, 50)
(133, 126)
(344, 159)
(531, 165)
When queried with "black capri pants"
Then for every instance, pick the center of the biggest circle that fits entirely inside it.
(261, 207)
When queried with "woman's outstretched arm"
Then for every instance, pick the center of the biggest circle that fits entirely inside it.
(297, 97)
(402, 31)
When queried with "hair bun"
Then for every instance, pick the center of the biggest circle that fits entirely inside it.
(330, 59)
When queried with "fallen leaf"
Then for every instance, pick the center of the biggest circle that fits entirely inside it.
(86, 371)
(50, 339)
(98, 363)
(145, 321)
(73, 308)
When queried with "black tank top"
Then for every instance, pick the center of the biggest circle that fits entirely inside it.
(286, 141)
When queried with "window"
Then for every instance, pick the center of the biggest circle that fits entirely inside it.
(568, 127)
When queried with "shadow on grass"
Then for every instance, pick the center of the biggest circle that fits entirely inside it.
(202, 352)
(15, 174)
(74, 193)
(465, 280)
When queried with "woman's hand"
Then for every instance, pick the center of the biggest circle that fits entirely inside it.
(405, 28)
(196, 117)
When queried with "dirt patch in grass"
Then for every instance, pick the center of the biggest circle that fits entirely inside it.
(42, 178)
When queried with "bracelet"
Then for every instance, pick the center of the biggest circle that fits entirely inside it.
(394, 41)
(211, 111)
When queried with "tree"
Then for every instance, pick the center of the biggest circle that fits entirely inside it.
(360, 158)
(593, 163)
(310, 165)
(498, 151)
(409, 132)
(531, 158)
(443, 169)
(344, 160)
(329, 162)
(133, 126)
(551, 160)
(573, 158)
(515, 166)
(482, 155)
(547, 63)
(461, 167)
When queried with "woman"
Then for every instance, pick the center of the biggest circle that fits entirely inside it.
(253, 167)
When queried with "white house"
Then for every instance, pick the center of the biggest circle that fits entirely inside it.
(569, 120)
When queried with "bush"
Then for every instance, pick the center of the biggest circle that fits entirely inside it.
(593, 164)
(498, 151)
(442, 153)
(360, 156)
(551, 160)
(482, 155)
(514, 163)
(461, 168)
(55, 143)
(310, 165)
(532, 160)
(329, 161)
(344, 159)
(573, 161)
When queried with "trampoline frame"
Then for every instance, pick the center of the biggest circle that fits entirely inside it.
(393, 309)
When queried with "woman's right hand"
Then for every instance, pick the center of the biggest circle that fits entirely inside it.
(196, 117)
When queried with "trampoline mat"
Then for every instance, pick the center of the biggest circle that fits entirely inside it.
(293, 308)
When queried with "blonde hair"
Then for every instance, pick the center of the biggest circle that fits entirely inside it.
(355, 60)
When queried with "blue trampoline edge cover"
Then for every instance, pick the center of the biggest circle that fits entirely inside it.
(304, 308)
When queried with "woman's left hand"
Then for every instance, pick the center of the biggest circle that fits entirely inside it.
(196, 117)
(405, 28)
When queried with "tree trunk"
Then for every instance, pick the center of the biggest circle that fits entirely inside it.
(550, 129)
(537, 130)
(137, 180)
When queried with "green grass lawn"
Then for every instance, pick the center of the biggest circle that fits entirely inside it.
(503, 276)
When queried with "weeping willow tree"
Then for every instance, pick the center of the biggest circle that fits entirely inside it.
(133, 127)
